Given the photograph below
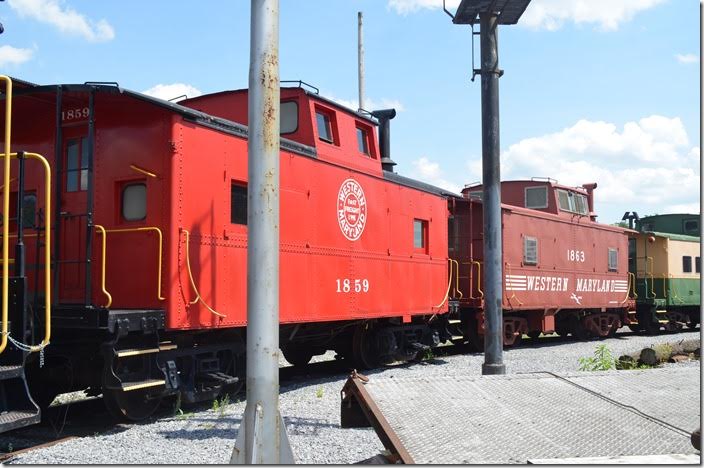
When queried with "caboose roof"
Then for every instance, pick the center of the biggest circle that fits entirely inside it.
(196, 116)
(671, 236)
(295, 90)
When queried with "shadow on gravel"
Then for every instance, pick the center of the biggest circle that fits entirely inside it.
(225, 428)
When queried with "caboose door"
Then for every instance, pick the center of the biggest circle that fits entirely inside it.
(74, 204)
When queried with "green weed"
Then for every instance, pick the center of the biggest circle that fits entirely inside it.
(220, 405)
(601, 360)
(319, 392)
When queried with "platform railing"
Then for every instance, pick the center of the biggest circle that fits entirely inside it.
(47, 259)
(104, 232)
(6, 210)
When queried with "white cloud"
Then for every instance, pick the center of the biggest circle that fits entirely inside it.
(648, 165)
(369, 104)
(553, 14)
(687, 58)
(14, 56)
(64, 18)
(606, 14)
(430, 172)
(171, 91)
(405, 7)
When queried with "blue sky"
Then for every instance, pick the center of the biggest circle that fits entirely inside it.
(602, 91)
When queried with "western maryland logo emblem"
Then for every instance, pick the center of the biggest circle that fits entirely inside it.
(351, 209)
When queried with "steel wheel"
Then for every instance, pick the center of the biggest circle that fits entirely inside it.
(474, 338)
(298, 355)
(364, 349)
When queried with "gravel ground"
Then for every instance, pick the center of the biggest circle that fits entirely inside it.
(311, 410)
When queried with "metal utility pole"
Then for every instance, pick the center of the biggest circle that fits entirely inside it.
(489, 14)
(262, 436)
(491, 185)
(360, 60)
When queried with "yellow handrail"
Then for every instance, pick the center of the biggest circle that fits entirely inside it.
(193, 283)
(6, 210)
(101, 229)
(449, 285)
(457, 289)
(513, 293)
(104, 233)
(631, 288)
(47, 259)
(479, 279)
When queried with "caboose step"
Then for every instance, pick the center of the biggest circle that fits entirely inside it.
(454, 321)
(131, 386)
(167, 346)
(10, 372)
(127, 352)
(10, 420)
(135, 352)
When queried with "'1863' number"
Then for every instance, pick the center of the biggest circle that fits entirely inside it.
(347, 285)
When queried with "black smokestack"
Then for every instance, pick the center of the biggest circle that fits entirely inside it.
(384, 116)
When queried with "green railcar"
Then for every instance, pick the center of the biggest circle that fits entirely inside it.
(666, 265)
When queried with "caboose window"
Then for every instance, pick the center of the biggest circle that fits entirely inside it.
(77, 165)
(573, 202)
(29, 211)
(536, 197)
(362, 141)
(324, 127)
(134, 202)
(580, 204)
(686, 264)
(420, 234)
(530, 250)
(691, 226)
(289, 117)
(238, 203)
(613, 260)
(697, 265)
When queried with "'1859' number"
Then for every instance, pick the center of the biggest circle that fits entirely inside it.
(347, 285)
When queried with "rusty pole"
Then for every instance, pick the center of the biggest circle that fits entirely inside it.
(262, 436)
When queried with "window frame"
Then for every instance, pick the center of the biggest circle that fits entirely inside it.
(295, 102)
(365, 139)
(424, 235)
(329, 117)
(610, 266)
(687, 221)
(572, 202)
(125, 186)
(525, 197)
(686, 264)
(241, 185)
(80, 171)
(526, 260)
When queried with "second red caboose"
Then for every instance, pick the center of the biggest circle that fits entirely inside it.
(563, 272)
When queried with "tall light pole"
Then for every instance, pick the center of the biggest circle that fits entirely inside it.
(262, 436)
(360, 60)
(489, 14)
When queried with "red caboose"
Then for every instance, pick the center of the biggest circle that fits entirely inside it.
(150, 218)
(563, 271)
